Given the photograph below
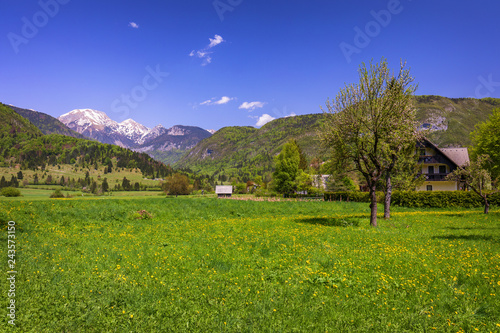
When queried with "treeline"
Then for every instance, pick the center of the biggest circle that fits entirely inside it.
(59, 149)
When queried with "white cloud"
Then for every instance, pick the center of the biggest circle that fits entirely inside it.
(133, 25)
(252, 105)
(264, 119)
(204, 53)
(223, 100)
(216, 41)
(290, 115)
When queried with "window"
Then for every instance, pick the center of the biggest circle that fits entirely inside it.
(442, 169)
(430, 169)
(429, 187)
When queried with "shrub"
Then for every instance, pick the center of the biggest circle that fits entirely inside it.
(10, 192)
(57, 194)
(352, 196)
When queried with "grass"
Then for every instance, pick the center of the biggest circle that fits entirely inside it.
(35, 193)
(204, 265)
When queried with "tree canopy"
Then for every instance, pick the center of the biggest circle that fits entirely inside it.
(370, 123)
(486, 141)
(287, 167)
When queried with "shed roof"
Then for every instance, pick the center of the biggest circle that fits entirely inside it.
(223, 189)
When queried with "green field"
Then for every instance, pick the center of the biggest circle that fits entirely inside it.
(156, 264)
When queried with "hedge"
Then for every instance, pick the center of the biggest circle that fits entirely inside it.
(432, 199)
(352, 196)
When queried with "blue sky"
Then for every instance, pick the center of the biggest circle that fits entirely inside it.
(235, 62)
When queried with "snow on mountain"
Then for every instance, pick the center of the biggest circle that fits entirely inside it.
(152, 134)
(211, 131)
(84, 118)
(131, 134)
(132, 129)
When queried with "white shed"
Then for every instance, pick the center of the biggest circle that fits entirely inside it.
(223, 191)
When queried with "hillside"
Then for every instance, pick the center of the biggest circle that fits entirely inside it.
(454, 118)
(45, 123)
(246, 151)
(14, 129)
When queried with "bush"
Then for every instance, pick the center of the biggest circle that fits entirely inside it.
(265, 193)
(442, 199)
(10, 192)
(57, 194)
(355, 196)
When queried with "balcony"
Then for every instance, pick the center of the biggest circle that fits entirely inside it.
(435, 176)
(431, 159)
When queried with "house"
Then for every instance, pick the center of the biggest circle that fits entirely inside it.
(437, 163)
(223, 191)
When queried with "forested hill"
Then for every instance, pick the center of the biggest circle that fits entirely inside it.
(45, 123)
(246, 151)
(22, 144)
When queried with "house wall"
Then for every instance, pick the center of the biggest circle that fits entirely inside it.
(439, 186)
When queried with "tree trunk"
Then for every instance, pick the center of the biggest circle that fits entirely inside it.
(388, 195)
(373, 205)
(486, 205)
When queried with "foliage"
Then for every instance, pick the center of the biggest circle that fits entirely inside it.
(340, 183)
(486, 141)
(90, 265)
(287, 167)
(351, 196)
(370, 124)
(57, 194)
(440, 199)
(303, 181)
(477, 177)
(177, 184)
(10, 192)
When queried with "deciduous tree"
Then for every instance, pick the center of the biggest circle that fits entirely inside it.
(177, 184)
(370, 124)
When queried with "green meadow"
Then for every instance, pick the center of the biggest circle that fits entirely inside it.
(156, 264)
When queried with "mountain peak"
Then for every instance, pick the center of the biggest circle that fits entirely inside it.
(87, 117)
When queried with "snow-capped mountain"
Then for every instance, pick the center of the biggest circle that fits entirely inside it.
(211, 131)
(152, 134)
(132, 129)
(82, 119)
(131, 134)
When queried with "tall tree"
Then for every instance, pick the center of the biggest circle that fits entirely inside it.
(287, 167)
(486, 141)
(370, 123)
